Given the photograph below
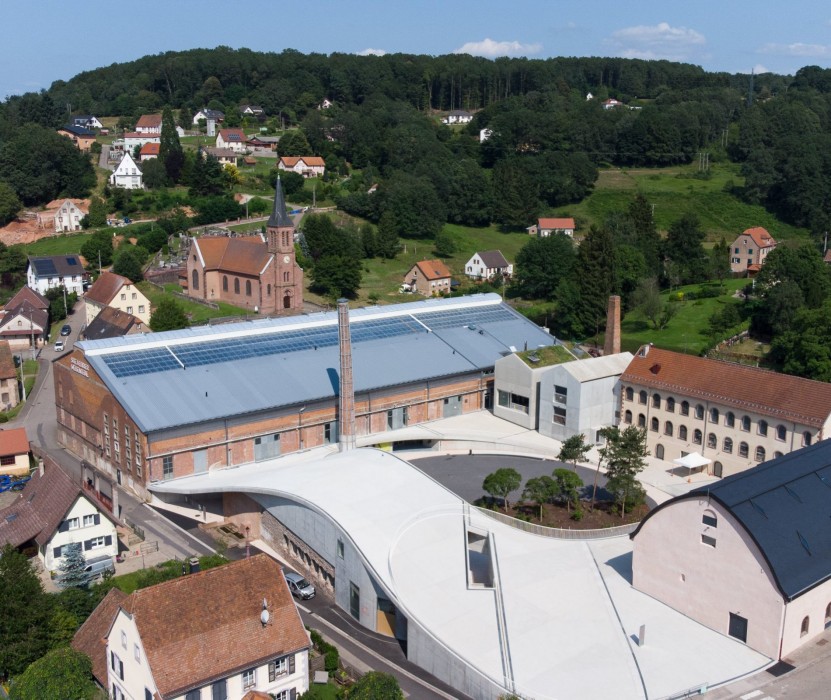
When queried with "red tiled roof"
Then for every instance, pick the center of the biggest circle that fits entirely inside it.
(433, 269)
(311, 161)
(760, 237)
(762, 391)
(207, 625)
(13, 441)
(150, 149)
(556, 223)
(91, 637)
(106, 287)
(149, 121)
(247, 255)
(235, 135)
(34, 298)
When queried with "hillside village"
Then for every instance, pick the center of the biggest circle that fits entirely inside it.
(237, 341)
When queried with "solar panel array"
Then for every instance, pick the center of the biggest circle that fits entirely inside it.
(45, 266)
(208, 352)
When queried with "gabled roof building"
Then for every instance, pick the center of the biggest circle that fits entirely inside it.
(749, 250)
(734, 415)
(53, 271)
(749, 556)
(429, 278)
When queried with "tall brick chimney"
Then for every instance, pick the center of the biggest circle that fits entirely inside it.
(346, 398)
(612, 344)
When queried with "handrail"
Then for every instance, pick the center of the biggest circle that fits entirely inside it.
(501, 620)
(559, 533)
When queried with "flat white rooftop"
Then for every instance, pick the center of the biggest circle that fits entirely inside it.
(572, 617)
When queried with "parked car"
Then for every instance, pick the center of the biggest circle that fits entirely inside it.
(66, 330)
(59, 346)
(299, 587)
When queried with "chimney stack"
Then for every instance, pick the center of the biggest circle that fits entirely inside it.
(346, 398)
(612, 344)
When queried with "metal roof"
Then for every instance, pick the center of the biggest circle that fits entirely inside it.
(176, 378)
(279, 218)
(784, 506)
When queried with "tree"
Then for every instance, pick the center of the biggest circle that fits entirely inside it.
(369, 241)
(387, 240)
(595, 276)
(58, 304)
(168, 316)
(515, 195)
(154, 174)
(294, 143)
(97, 216)
(60, 674)
(72, 568)
(569, 484)
(445, 245)
(416, 209)
(647, 238)
(291, 181)
(542, 263)
(98, 248)
(625, 455)
(647, 299)
(501, 483)
(207, 176)
(336, 276)
(574, 449)
(683, 247)
(540, 490)
(9, 204)
(376, 685)
(171, 154)
(25, 612)
(126, 262)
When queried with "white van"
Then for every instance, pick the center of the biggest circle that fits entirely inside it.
(98, 565)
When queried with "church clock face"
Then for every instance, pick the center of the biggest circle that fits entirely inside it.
(286, 259)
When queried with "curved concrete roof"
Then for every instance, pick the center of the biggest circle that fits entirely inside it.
(569, 608)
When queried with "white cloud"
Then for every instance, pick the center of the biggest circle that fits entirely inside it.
(372, 52)
(660, 41)
(798, 49)
(491, 49)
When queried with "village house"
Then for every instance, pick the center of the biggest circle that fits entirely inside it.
(63, 215)
(749, 250)
(546, 227)
(252, 110)
(54, 271)
(487, 265)
(307, 166)
(14, 451)
(9, 391)
(429, 278)
(112, 290)
(457, 116)
(54, 511)
(149, 151)
(134, 139)
(231, 139)
(87, 121)
(149, 124)
(113, 323)
(611, 103)
(735, 416)
(746, 556)
(208, 115)
(164, 642)
(24, 320)
(82, 138)
(127, 174)
(225, 156)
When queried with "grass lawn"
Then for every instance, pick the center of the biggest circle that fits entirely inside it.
(674, 191)
(328, 691)
(57, 245)
(198, 313)
(687, 331)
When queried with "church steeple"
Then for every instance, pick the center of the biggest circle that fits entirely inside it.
(279, 218)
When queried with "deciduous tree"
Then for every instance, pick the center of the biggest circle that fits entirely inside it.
(541, 490)
(574, 449)
(569, 484)
(62, 673)
(168, 316)
(502, 483)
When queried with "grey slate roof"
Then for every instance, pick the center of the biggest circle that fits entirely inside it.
(784, 505)
(57, 265)
(493, 259)
(77, 130)
(213, 372)
(279, 218)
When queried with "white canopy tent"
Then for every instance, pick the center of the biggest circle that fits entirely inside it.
(693, 461)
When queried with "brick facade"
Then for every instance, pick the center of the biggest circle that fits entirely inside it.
(306, 560)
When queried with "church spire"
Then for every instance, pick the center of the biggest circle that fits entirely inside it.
(279, 218)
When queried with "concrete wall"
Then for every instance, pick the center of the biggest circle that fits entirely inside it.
(590, 405)
(513, 376)
(816, 606)
(671, 563)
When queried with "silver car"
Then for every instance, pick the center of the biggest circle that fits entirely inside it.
(299, 587)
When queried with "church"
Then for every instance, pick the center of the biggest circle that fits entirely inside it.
(257, 273)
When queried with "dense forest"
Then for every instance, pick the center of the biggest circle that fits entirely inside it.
(391, 162)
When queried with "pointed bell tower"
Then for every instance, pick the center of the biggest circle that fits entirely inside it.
(287, 285)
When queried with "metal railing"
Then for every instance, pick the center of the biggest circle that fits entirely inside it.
(559, 533)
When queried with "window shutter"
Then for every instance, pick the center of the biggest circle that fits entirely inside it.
(291, 663)
(108, 540)
(293, 694)
(87, 544)
(272, 671)
(97, 518)
(121, 669)
(56, 552)
(64, 526)
(112, 660)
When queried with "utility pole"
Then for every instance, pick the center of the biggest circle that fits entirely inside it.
(99, 261)
(65, 307)
(32, 329)
(22, 378)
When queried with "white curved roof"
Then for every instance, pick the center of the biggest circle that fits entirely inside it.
(568, 606)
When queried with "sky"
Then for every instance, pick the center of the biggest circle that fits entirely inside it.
(45, 40)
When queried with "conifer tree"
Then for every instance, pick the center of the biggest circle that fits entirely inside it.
(72, 569)
(170, 150)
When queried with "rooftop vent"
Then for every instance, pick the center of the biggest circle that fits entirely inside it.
(655, 368)
(533, 358)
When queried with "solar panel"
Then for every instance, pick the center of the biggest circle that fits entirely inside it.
(45, 267)
(210, 352)
(71, 261)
